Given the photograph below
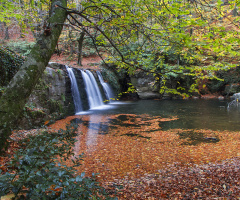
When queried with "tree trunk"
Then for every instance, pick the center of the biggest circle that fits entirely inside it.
(19, 89)
(6, 32)
(80, 46)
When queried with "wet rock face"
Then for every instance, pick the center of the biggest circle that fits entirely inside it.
(51, 88)
(56, 81)
(81, 88)
(58, 89)
(145, 85)
(51, 96)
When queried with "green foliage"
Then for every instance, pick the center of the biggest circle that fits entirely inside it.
(8, 11)
(9, 65)
(229, 79)
(89, 42)
(169, 39)
(111, 78)
(166, 38)
(22, 47)
(89, 52)
(39, 171)
(26, 13)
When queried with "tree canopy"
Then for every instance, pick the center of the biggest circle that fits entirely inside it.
(166, 38)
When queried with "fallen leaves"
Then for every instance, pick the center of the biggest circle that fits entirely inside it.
(135, 157)
(198, 182)
(134, 145)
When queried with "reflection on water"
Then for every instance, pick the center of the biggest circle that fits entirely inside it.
(196, 137)
(90, 126)
(94, 128)
(192, 114)
(92, 132)
(129, 139)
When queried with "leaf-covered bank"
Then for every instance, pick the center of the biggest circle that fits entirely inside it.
(135, 159)
(210, 181)
(37, 169)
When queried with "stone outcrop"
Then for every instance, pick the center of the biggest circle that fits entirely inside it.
(51, 98)
(120, 80)
(145, 85)
(52, 87)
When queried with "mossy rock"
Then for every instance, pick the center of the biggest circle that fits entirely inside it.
(111, 78)
(10, 63)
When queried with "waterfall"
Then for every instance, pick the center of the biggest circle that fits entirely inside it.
(91, 96)
(106, 87)
(75, 90)
(235, 102)
(93, 92)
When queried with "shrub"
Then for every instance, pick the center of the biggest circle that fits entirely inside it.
(9, 65)
(21, 47)
(39, 172)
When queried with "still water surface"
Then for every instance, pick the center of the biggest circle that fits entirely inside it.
(118, 143)
(192, 114)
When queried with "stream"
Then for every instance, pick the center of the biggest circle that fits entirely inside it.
(192, 114)
(134, 138)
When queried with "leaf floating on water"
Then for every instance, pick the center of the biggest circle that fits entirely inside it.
(46, 122)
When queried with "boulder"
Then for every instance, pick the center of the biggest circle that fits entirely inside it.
(145, 85)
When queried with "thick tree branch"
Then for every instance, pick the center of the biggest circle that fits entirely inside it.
(19, 89)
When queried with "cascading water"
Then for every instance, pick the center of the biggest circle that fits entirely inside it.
(93, 92)
(94, 98)
(108, 92)
(235, 102)
(75, 91)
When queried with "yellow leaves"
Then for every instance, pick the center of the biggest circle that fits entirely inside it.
(72, 5)
(7, 197)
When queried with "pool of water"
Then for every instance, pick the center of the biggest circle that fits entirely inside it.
(191, 114)
(119, 140)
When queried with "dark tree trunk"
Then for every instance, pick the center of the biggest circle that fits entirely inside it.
(21, 33)
(80, 46)
(6, 32)
(19, 89)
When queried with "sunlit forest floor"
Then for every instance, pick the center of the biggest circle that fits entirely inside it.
(89, 62)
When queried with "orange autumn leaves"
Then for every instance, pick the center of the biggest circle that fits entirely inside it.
(130, 145)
